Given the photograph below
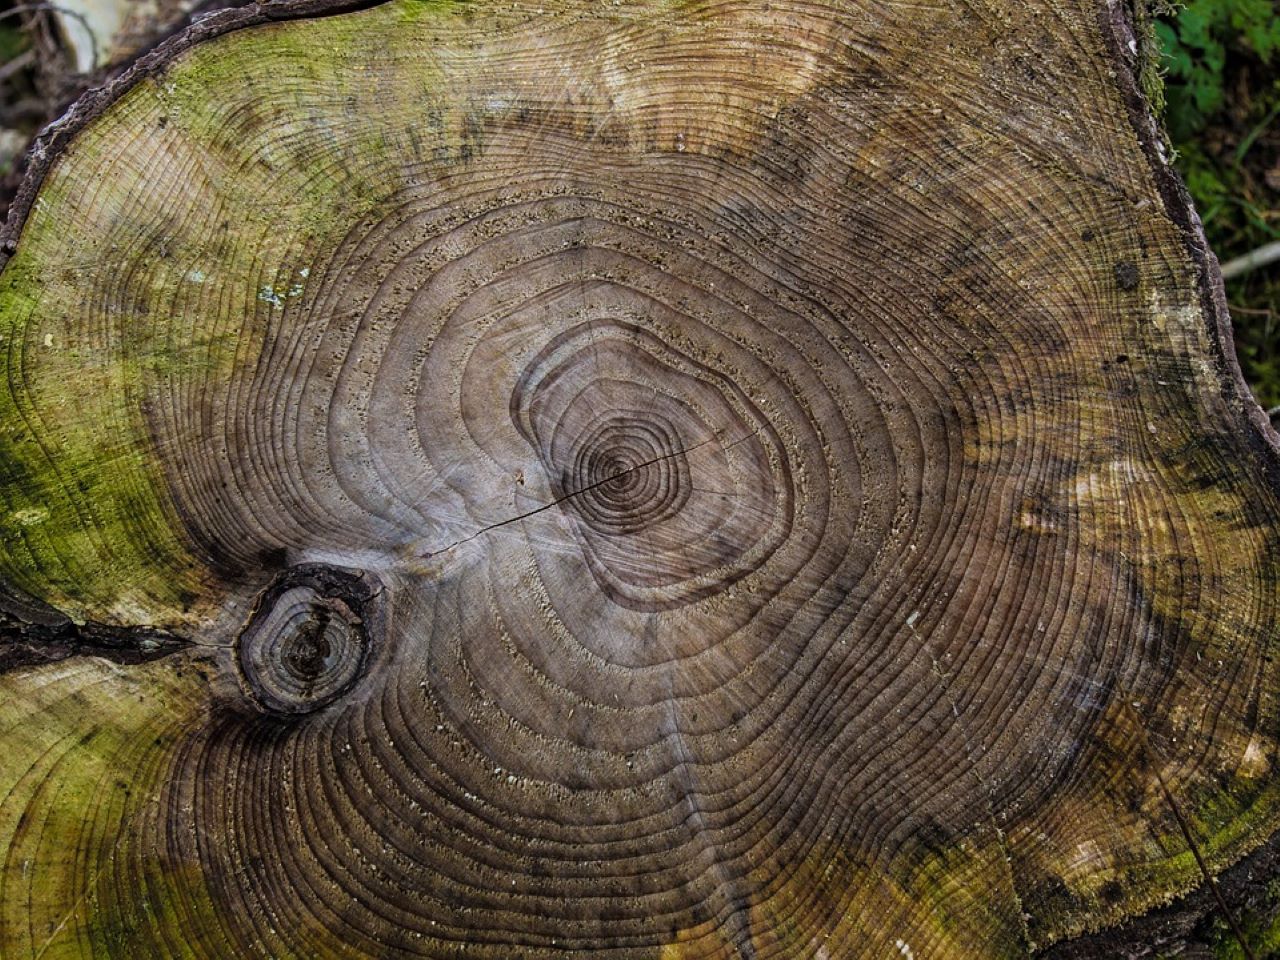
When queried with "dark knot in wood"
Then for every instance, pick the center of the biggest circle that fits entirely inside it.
(306, 643)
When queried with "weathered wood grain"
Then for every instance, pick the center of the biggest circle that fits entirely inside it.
(740, 479)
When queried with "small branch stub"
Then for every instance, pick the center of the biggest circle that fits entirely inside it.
(306, 643)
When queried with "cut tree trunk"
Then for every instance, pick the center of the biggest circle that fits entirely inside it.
(705, 480)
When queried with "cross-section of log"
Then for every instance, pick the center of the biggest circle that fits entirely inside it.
(641, 480)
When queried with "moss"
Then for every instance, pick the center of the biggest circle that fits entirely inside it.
(88, 523)
(1150, 54)
(415, 11)
(1259, 923)
(87, 747)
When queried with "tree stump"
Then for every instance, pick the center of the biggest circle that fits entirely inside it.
(635, 480)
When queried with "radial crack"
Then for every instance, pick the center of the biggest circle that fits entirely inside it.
(581, 490)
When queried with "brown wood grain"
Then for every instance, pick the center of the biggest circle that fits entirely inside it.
(703, 480)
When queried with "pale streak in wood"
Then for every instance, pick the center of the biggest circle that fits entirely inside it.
(797, 534)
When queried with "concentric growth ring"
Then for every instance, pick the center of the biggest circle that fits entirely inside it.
(649, 482)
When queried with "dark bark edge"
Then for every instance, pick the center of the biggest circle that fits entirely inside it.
(1125, 45)
(1191, 926)
(26, 644)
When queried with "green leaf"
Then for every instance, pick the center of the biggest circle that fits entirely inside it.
(1193, 27)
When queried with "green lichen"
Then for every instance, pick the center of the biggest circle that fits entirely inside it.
(1150, 55)
(87, 747)
(85, 519)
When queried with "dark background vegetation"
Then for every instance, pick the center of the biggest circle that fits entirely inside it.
(36, 77)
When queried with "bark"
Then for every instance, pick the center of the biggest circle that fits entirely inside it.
(640, 480)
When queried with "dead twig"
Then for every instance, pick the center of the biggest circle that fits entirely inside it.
(1266, 254)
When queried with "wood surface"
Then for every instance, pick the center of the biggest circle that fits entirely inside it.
(638, 479)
